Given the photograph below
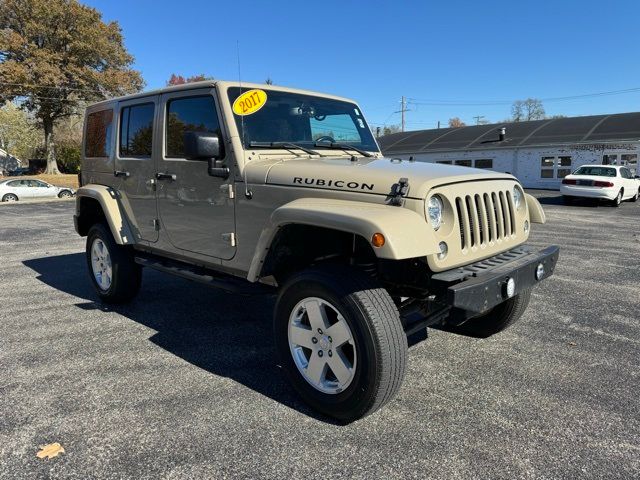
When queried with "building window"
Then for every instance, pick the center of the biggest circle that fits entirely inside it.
(564, 167)
(98, 136)
(610, 159)
(555, 167)
(629, 159)
(136, 130)
(444, 162)
(484, 163)
(463, 163)
(191, 114)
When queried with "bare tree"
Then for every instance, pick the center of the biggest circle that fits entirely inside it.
(455, 122)
(525, 110)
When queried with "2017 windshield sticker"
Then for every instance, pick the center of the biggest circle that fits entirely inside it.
(250, 102)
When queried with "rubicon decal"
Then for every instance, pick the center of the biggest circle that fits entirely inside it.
(321, 182)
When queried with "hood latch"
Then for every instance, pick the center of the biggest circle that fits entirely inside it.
(398, 192)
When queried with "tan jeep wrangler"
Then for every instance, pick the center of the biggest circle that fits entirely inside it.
(264, 189)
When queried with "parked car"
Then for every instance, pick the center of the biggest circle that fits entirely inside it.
(18, 172)
(264, 189)
(603, 182)
(14, 190)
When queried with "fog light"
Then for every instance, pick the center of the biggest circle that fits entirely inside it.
(539, 271)
(510, 288)
(443, 250)
(526, 227)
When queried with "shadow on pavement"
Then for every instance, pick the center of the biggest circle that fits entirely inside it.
(225, 334)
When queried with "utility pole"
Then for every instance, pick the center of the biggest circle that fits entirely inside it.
(478, 118)
(403, 108)
(438, 124)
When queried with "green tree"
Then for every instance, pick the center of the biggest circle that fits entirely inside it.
(55, 55)
(18, 133)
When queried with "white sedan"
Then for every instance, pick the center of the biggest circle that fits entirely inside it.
(604, 182)
(12, 190)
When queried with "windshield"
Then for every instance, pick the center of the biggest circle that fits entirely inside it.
(596, 171)
(300, 119)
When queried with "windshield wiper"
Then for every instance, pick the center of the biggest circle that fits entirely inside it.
(285, 145)
(343, 146)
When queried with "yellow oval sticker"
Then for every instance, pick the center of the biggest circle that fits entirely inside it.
(250, 102)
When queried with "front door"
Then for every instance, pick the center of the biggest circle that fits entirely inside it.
(135, 165)
(196, 209)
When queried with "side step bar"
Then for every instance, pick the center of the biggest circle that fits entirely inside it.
(224, 282)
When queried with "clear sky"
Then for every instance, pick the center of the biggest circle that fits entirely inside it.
(462, 54)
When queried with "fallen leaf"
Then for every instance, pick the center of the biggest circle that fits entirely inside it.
(572, 344)
(50, 451)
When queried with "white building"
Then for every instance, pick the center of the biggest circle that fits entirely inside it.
(539, 153)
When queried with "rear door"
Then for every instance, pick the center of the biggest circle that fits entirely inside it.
(135, 163)
(196, 209)
(20, 188)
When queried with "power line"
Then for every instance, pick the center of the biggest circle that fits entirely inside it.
(432, 102)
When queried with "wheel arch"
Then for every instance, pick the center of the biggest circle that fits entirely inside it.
(96, 203)
(314, 222)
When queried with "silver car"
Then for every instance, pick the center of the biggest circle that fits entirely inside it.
(12, 190)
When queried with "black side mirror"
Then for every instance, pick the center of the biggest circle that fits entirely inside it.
(206, 146)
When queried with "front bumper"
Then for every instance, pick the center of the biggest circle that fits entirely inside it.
(481, 286)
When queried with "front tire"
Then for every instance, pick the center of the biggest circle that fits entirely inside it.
(636, 196)
(114, 274)
(10, 197)
(497, 319)
(340, 340)
(64, 194)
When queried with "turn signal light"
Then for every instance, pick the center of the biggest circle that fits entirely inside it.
(377, 240)
(599, 183)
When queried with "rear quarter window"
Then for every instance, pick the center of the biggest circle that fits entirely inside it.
(98, 134)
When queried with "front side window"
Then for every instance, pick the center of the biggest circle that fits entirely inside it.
(286, 117)
(190, 114)
(98, 135)
(136, 130)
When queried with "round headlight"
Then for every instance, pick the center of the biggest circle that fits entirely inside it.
(517, 197)
(434, 209)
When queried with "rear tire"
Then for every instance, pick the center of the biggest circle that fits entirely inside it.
(10, 197)
(497, 319)
(114, 274)
(374, 355)
(618, 200)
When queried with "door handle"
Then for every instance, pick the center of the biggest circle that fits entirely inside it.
(166, 176)
(121, 173)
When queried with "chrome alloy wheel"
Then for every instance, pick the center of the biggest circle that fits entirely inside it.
(101, 264)
(322, 345)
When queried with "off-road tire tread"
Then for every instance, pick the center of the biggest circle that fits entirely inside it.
(127, 275)
(501, 318)
(385, 326)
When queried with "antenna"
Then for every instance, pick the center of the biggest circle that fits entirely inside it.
(247, 191)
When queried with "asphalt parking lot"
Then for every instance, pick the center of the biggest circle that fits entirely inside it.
(183, 382)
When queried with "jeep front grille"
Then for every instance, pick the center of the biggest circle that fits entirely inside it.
(485, 218)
